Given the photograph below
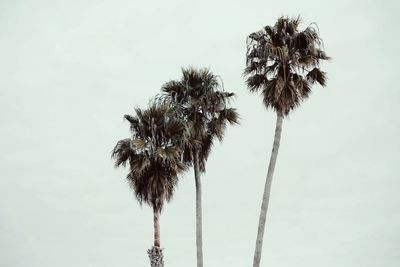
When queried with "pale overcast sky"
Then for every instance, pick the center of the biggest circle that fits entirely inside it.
(69, 70)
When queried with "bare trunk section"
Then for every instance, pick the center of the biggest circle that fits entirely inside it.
(199, 230)
(155, 253)
(156, 221)
(267, 190)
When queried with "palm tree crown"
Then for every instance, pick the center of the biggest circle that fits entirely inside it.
(204, 107)
(283, 62)
(153, 153)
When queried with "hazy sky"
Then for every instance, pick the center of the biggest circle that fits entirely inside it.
(69, 70)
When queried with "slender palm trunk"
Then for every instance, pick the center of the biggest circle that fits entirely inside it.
(155, 253)
(156, 220)
(267, 190)
(199, 230)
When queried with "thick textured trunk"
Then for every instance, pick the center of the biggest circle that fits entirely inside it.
(155, 253)
(199, 235)
(156, 257)
(267, 190)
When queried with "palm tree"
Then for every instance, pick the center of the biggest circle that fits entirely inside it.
(283, 63)
(153, 155)
(199, 101)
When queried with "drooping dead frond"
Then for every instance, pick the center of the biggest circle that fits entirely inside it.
(121, 152)
(316, 75)
(255, 82)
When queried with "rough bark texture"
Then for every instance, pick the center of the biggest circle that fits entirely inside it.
(156, 257)
(156, 221)
(267, 190)
(199, 234)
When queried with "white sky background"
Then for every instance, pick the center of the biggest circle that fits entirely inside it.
(69, 70)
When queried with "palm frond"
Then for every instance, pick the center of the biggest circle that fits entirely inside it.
(230, 115)
(316, 75)
(255, 82)
(122, 152)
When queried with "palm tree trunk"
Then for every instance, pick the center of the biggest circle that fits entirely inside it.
(199, 234)
(155, 253)
(267, 190)
(156, 222)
